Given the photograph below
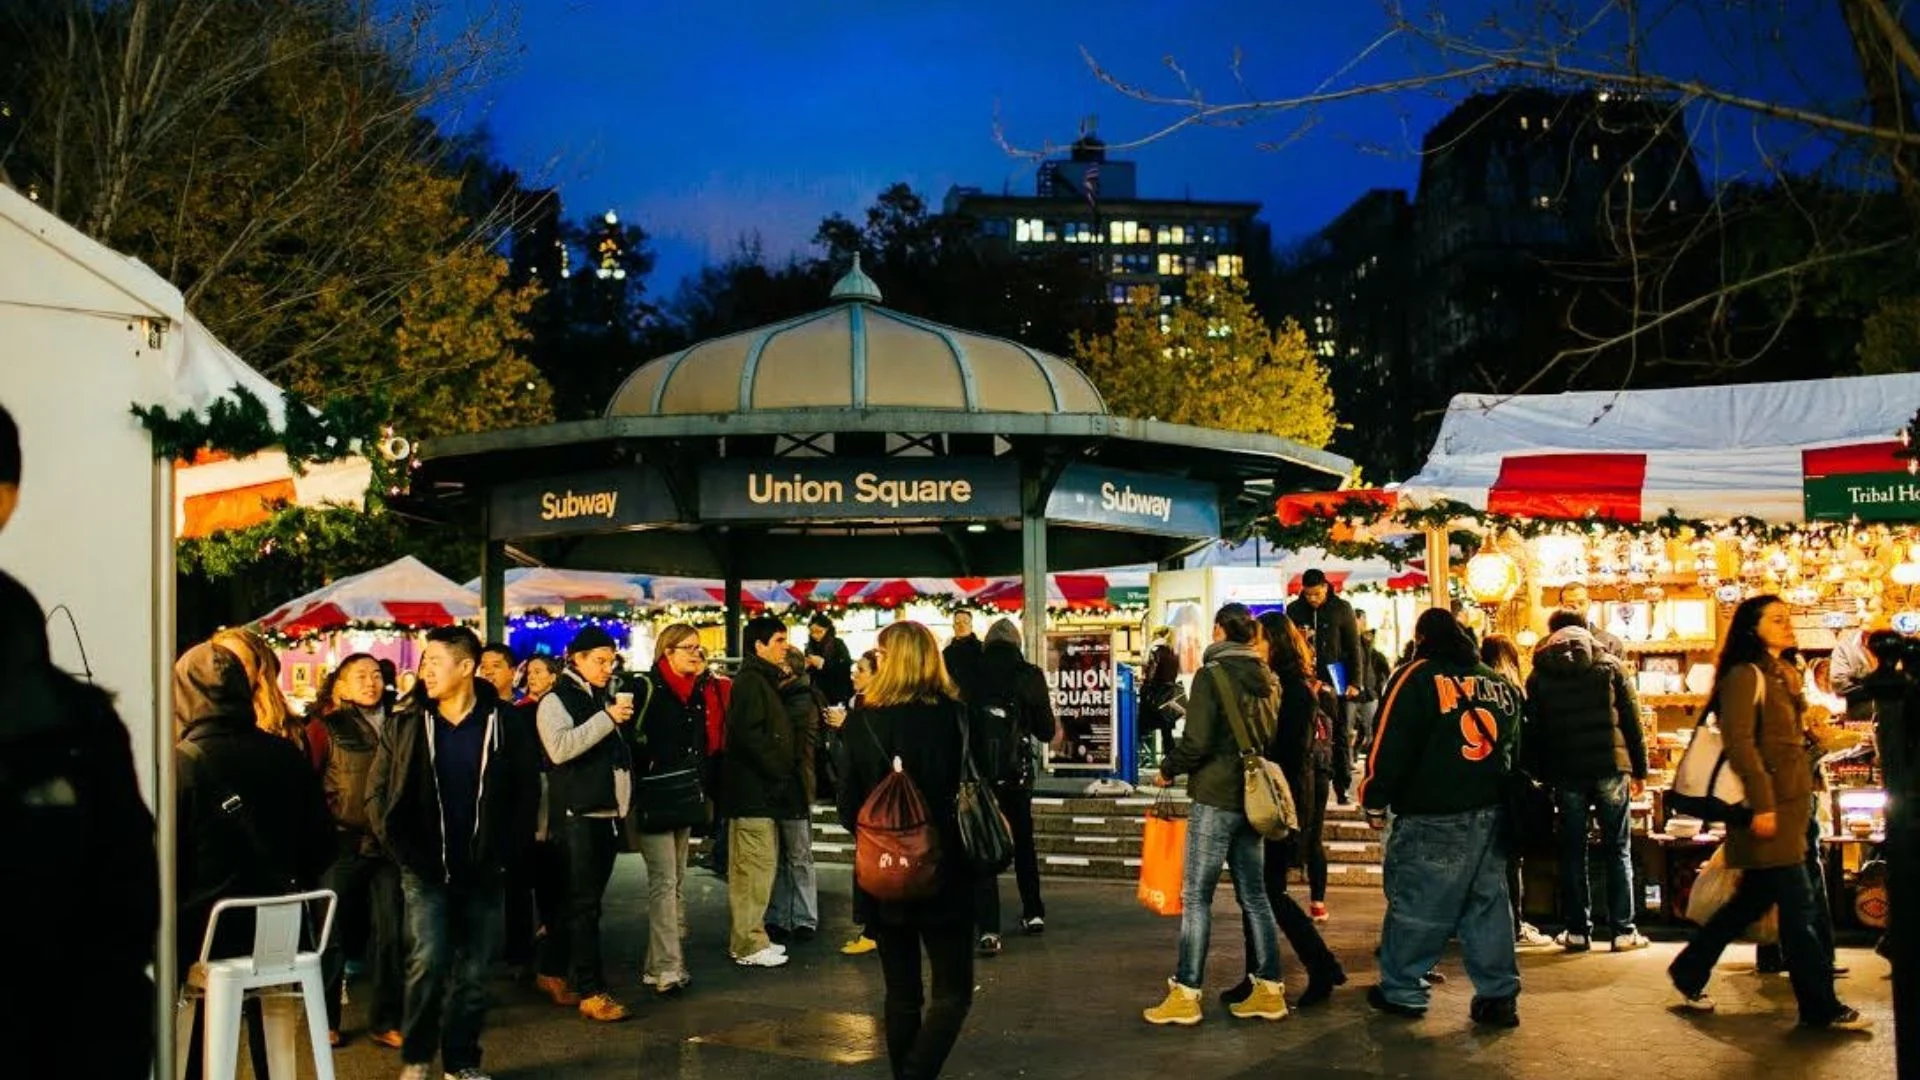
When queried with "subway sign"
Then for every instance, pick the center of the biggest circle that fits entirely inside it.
(797, 489)
(1136, 502)
(603, 501)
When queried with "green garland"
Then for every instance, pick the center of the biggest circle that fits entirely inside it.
(239, 424)
(1317, 529)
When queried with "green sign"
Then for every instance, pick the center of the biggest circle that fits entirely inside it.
(1888, 496)
(609, 608)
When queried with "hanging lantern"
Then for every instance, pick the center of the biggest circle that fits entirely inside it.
(1492, 578)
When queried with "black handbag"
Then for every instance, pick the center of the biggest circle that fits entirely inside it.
(985, 836)
(665, 801)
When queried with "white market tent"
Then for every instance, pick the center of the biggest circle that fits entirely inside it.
(549, 589)
(85, 335)
(404, 592)
(1710, 452)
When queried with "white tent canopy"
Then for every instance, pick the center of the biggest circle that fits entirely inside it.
(1710, 452)
(404, 592)
(551, 589)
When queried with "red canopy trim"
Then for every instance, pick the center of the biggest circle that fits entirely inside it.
(1874, 457)
(1296, 508)
(1570, 487)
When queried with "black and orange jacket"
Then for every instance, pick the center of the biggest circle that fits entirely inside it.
(1445, 738)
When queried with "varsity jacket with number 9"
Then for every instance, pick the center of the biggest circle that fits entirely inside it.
(1445, 736)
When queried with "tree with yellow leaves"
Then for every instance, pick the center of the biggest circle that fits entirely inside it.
(1210, 361)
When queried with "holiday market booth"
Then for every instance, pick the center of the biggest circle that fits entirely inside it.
(382, 611)
(99, 362)
(1664, 509)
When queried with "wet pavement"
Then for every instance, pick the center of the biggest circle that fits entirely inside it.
(1067, 1005)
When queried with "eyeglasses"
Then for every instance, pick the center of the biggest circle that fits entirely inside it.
(697, 649)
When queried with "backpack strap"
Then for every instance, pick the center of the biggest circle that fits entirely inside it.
(1230, 704)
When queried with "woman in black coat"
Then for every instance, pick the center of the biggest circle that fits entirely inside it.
(911, 711)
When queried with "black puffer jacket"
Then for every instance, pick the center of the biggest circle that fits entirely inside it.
(1583, 720)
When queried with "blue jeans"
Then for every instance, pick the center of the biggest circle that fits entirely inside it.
(1447, 874)
(1610, 800)
(1216, 836)
(454, 931)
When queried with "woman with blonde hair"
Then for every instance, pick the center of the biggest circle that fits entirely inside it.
(911, 713)
(270, 711)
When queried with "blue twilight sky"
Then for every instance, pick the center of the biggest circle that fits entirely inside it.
(705, 121)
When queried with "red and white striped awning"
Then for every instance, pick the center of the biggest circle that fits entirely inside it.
(1709, 452)
(405, 592)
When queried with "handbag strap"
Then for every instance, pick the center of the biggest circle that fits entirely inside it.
(1230, 704)
(1712, 708)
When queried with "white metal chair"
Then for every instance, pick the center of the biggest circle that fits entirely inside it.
(277, 972)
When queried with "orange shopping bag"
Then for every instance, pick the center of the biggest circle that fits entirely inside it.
(1163, 858)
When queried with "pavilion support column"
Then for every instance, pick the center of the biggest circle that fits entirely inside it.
(493, 591)
(734, 608)
(1033, 569)
(1437, 569)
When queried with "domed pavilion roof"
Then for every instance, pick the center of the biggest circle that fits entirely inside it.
(856, 355)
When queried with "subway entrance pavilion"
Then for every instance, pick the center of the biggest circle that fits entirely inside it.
(856, 442)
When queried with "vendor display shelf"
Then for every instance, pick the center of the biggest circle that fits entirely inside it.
(1672, 645)
(1673, 701)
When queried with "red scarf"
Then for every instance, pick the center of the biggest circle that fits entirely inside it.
(681, 685)
(715, 693)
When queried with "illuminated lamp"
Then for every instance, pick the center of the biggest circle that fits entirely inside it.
(1492, 578)
(1906, 574)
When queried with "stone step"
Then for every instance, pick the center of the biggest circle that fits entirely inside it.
(1121, 843)
(1130, 808)
(1110, 866)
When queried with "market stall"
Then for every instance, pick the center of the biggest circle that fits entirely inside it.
(381, 611)
(1658, 512)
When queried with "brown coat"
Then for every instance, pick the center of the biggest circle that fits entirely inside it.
(1771, 762)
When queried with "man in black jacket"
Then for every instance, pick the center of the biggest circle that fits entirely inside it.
(252, 820)
(1011, 702)
(763, 757)
(588, 789)
(1582, 736)
(454, 788)
(78, 832)
(963, 652)
(1328, 622)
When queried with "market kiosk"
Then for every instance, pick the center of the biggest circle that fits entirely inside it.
(1659, 511)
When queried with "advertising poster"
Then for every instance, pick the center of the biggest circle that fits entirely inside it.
(1081, 678)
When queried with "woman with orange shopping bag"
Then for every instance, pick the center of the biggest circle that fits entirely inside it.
(1163, 852)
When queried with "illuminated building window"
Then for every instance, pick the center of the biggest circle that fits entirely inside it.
(1596, 151)
(1178, 234)
(1546, 123)
(1543, 201)
(1161, 235)
(1524, 121)
(1228, 265)
(1052, 233)
(1022, 231)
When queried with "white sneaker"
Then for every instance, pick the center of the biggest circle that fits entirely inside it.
(469, 1074)
(1572, 942)
(672, 980)
(413, 1072)
(1530, 937)
(1630, 942)
(1698, 1003)
(769, 957)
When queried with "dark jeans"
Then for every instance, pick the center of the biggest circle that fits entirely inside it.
(1017, 805)
(589, 845)
(455, 930)
(1313, 823)
(917, 1043)
(1515, 897)
(1446, 875)
(1343, 747)
(1610, 801)
(369, 886)
(549, 906)
(1808, 964)
(1770, 957)
(516, 939)
(1295, 924)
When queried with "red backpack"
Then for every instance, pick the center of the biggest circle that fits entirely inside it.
(896, 847)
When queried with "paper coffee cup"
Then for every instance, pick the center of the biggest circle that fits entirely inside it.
(623, 698)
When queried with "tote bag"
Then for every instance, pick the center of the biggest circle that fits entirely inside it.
(1704, 783)
(1163, 859)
